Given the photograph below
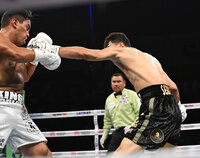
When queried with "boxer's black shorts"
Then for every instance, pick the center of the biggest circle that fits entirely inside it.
(159, 118)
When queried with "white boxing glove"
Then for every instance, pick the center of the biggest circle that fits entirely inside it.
(47, 59)
(52, 62)
(102, 141)
(183, 111)
(43, 41)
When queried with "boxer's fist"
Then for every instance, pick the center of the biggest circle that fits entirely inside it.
(43, 41)
(49, 60)
(52, 62)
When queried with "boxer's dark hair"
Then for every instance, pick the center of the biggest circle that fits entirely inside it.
(116, 37)
(20, 14)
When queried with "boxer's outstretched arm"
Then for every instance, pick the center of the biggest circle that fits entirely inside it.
(82, 53)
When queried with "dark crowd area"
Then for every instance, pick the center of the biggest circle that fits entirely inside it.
(166, 29)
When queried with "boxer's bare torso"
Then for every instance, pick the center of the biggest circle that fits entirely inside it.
(141, 69)
(11, 75)
(11, 72)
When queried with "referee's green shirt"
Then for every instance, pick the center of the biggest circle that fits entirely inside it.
(121, 110)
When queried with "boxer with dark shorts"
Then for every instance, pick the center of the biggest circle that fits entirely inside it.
(159, 118)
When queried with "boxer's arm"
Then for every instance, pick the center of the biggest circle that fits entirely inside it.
(29, 70)
(44, 42)
(174, 89)
(18, 54)
(25, 55)
(172, 86)
(82, 53)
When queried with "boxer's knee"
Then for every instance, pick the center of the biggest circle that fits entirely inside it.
(44, 152)
(37, 149)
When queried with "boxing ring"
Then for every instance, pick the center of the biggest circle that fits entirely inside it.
(96, 132)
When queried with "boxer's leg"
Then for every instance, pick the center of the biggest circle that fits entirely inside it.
(126, 147)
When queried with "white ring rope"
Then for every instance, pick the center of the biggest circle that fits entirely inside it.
(66, 114)
(96, 131)
(80, 153)
(88, 113)
(192, 106)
